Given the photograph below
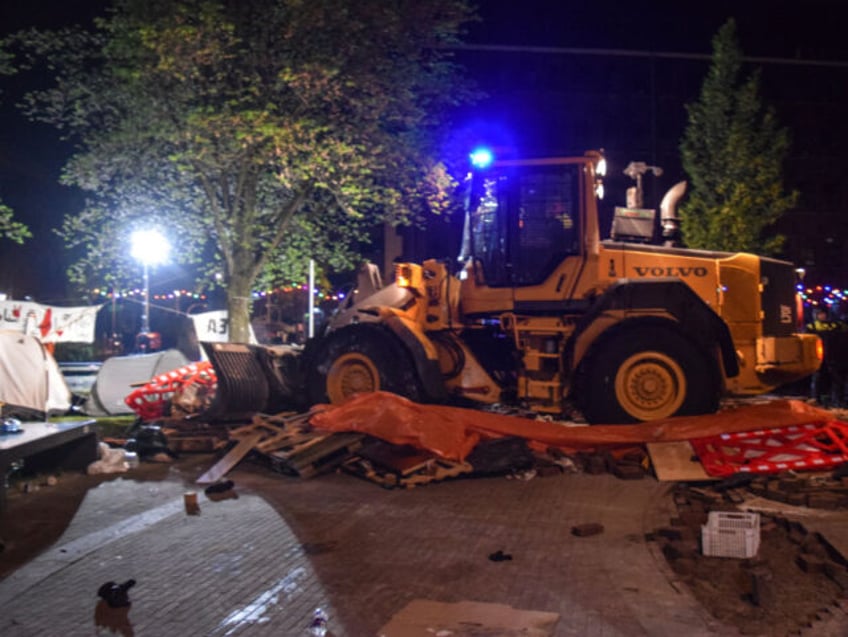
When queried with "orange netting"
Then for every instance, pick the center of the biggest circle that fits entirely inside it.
(153, 400)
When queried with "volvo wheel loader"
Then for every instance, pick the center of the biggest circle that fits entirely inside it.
(542, 313)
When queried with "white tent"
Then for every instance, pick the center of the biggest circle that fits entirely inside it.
(119, 375)
(31, 384)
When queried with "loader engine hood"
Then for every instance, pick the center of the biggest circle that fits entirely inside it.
(362, 310)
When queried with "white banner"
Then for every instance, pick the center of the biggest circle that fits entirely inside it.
(214, 327)
(50, 324)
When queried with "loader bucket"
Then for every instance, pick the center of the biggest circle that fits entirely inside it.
(251, 379)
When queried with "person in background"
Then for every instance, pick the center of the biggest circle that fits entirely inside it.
(827, 383)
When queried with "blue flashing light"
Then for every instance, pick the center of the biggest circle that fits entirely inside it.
(482, 158)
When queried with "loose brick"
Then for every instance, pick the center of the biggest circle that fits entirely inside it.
(669, 533)
(585, 530)
(825, 500)
(762, 586)
(627, 471)
(693, 517)
(810, 563)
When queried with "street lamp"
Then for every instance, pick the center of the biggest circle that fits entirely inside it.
(149, 247)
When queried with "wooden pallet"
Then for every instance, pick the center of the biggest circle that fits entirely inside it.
(321, 453)
(291, 446)
(434, 470)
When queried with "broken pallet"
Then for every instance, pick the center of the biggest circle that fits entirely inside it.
(434, 470)
(320, 454)
(231, 459)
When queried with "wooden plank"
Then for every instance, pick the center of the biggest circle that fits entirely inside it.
(287, 417)
(288, 440)
(231, 459)
(402, 460)
(440, 469)
(676, 461)
(328, 452)
(300, 446)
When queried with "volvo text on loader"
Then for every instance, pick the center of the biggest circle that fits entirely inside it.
(542, 312)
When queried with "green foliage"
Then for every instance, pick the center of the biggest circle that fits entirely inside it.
(733, 151)
(11, 229)
(253, 132)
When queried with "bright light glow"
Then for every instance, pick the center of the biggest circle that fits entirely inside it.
(149, 247)
(601, 169)
(599, 190)
(482, 158)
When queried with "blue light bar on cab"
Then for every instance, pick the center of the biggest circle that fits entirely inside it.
(482, 158)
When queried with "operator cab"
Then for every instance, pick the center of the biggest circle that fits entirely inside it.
(523, 219)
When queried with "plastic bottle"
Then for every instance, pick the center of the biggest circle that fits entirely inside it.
(318, 627)
(131, 458)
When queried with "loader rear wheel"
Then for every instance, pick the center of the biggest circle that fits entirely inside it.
(358, 359)
(645, 374)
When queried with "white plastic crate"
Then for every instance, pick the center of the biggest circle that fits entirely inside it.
(731, 534)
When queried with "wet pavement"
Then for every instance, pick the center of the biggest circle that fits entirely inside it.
(260, 563)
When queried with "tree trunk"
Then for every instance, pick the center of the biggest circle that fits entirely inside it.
(239, 306)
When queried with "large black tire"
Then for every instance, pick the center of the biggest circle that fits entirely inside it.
(360, 358)
(646, 373)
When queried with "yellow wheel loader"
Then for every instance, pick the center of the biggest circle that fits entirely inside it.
(541, 313)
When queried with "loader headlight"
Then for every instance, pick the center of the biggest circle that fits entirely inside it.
(601, 168)
(408, 275)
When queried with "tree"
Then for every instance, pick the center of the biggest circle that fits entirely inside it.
(249, 130)
(733, 151)
(9, 228)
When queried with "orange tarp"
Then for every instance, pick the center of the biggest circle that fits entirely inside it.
(452, 432)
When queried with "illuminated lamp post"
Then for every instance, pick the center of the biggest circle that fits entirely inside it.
(151, 248)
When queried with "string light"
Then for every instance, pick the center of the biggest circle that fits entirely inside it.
(823, 296)
(106, 293)
(294, 288)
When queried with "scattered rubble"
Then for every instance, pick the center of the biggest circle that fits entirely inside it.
(789, 584)
(116, 595)
(109, 461)
(587, 530)
(500, 556)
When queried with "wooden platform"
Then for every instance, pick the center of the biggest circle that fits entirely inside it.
(64, 445)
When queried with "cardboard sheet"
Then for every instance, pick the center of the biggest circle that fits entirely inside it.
(676, 462)
(425, 618)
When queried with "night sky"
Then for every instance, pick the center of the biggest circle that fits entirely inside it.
(31, 156)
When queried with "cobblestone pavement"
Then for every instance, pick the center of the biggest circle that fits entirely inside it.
(259, 564)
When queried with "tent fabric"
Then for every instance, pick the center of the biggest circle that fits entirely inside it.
(118, 375)
(452, 432)
(30, 378)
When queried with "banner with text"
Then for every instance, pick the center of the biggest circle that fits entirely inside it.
(49, 323)
(214, 327)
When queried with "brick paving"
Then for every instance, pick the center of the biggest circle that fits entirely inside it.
(260, 564)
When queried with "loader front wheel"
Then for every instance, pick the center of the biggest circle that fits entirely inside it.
(358, 359)
(646, 374)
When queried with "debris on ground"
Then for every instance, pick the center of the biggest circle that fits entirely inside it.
(109, 461)
(500, 556)
(192, 506)
(785, 582)
(588, 529)
(116, 595)
(224, 490)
